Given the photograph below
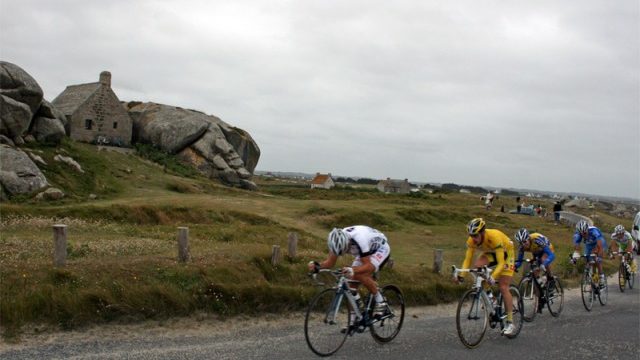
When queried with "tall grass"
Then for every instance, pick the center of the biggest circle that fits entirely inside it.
(122, 249)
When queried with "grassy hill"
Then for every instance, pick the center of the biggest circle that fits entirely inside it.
(122, 248)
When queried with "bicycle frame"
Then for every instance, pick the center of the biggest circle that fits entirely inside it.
(479, 275)
(343, 291)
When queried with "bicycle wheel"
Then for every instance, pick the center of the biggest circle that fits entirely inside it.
(622, 277)
(555, 297)
(530, 294)
(325, 321)
(472, 318)
(586, 288)
(517, 319)
(603, 294)
(388, 326)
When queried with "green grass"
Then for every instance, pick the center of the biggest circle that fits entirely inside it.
(122, 249)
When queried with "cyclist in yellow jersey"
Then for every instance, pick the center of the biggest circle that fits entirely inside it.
(497, 250)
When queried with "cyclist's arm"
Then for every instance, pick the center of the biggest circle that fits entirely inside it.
(550, 255)
(577, 239)
(468, 257)
(329, 262)
(500, 260)
(520, 258)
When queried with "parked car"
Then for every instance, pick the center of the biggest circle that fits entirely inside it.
(635, 231)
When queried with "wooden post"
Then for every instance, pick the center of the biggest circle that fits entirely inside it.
(59, 245)
(437, 261)
(275, 255)
(293, 244)
(183, 244)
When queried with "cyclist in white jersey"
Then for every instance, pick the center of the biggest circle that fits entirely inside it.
(371, 251)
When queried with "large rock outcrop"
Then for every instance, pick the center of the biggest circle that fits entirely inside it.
(203, 141)
(22, 109)
(19, 174)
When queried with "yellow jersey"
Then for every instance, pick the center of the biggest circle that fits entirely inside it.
(496, 243)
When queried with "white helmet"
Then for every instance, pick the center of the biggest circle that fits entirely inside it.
(338, 241)
(619, 229)
(522, 235)
(582, 226)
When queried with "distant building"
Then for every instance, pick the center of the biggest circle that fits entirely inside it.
(322, 181)
(465, 191)
(94, 113)
(394, 186)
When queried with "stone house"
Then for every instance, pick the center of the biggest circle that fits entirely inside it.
(94, 113)
(394, 186)
(322, 181)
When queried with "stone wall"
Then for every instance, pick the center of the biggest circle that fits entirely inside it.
(104, 110)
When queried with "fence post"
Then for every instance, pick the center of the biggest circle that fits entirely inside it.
(59, 245)
(437, 261)
(183, 244)
(293, 244)
(275, 255)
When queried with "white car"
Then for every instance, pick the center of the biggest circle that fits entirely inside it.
(635, 231)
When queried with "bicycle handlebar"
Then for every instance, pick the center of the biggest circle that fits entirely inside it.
(483, 271)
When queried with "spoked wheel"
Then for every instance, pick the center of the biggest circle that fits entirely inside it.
(587, 291)
(603, 294)
(472, 318)
(555, 297)
(517, 310)
(622, 277)
(326, 323)
(530, 294)
(387, 327)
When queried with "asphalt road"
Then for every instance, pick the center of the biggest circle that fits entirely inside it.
(607, 332)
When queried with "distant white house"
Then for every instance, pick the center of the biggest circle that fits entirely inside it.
(322, 181)
(465, 191)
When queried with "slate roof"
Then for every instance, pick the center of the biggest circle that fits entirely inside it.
(73, 96)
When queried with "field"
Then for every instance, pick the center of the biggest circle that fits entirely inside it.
(122, 249)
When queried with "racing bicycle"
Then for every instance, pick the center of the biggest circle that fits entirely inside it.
(590, 283)
(476, 309)
(625, 274)
(536, 294)
(330, 319)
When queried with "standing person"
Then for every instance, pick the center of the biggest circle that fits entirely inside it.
(371, 251)
(594, 243)
(556, 211)
(497, 250)
(518, 205)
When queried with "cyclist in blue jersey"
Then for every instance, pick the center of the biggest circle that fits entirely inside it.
(539, 246)
(594, 243)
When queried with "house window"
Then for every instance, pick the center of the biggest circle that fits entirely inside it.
(88, 124)
(115, 124)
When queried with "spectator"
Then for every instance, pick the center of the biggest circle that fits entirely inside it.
(557, 207)
(518, 205)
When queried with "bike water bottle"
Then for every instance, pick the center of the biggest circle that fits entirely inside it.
(490, 295)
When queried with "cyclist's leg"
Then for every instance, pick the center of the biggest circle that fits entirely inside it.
(599, 250)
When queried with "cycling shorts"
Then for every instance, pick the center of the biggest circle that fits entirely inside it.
(377, 259)
(509, 262)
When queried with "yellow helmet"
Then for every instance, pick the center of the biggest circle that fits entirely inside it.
(476, 226)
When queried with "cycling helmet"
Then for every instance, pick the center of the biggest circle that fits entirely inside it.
(522, 235)
(338, 241)
(476, 226)
(582, 226)
(619, 230)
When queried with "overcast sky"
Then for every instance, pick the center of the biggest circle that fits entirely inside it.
(526, 94)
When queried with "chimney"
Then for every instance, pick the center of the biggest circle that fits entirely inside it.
(105, 78)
